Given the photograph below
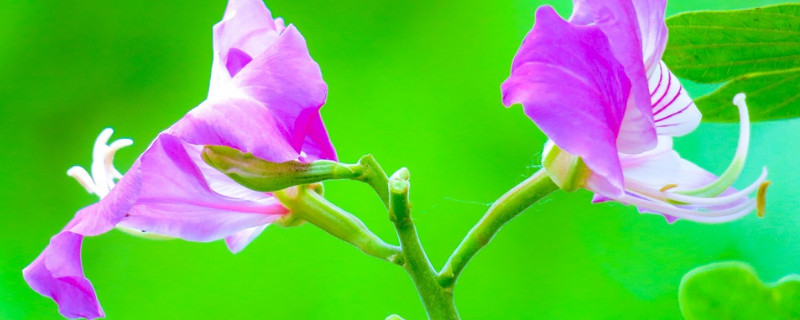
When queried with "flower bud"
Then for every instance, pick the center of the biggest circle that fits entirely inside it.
(262, 175)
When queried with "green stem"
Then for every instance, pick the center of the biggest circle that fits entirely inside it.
(437, 300)
(312, 207)
(373, 175)
(511, 204)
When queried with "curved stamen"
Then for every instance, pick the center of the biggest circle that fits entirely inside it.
(111, 172)
(709, 216)
(735, 168)
(101, 180)
(104, 173)
(98, 164)
(83, 178)
(638, 187)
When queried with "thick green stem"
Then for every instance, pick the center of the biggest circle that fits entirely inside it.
(313, 208)
(511, 204)
(373, 175)
(438, 301)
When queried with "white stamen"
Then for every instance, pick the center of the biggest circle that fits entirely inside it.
(638, 187)
(111, 172)
(103, 176)
(103, 173)
(98, 164)
(727, 178)
(83, 178)
(708, 216)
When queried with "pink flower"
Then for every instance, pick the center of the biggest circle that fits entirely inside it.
(597, 87)
(264, 98)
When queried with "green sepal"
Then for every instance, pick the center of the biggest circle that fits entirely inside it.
(567, 171)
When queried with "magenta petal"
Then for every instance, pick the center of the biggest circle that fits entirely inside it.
(650, 15)
(237, 59)
(105, 214)
(246, 29)
(317, 145)
(619, 22)
(238, 241)
(287, 81)
(247, 25)
(576, 94)
(177, 200)
(57, 273)
(231, 122)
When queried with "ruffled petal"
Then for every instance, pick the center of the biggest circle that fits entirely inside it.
(57, 274)
(653, 28)
(674, 112)
(287, 81)
(576, 95)
(618, 21)
(246, 30)
(177, 199)
(104, 215)
(232, 122)
(241, 239)
(317, 145)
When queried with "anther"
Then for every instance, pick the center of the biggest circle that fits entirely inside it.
(668, 187)
(761, 198)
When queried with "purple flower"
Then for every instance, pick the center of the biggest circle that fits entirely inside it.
(597, 87)
(264, 98)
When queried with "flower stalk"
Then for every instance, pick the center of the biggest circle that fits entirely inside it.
(310, 206)
(438, 300)
(506, 208)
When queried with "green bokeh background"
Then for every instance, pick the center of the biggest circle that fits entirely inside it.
(416, 83)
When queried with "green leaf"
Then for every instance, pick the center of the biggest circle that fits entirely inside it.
(770, 96)
(715, 46)
(731, 290)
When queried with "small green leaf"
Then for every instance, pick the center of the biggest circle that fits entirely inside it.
(770, 96)
(731, 290)
(714, 46)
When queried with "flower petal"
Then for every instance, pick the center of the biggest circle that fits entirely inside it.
(57, 274)
(177, 200)
(317, 145)
(619, 22)
(104, 215)
(653, 28)
(576, 94)
(287, 81)
(674, 112)
(663, 166)
(246, 30)
(231, 122)
(241, 239)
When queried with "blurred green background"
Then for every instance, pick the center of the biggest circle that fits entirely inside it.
(416, 83)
